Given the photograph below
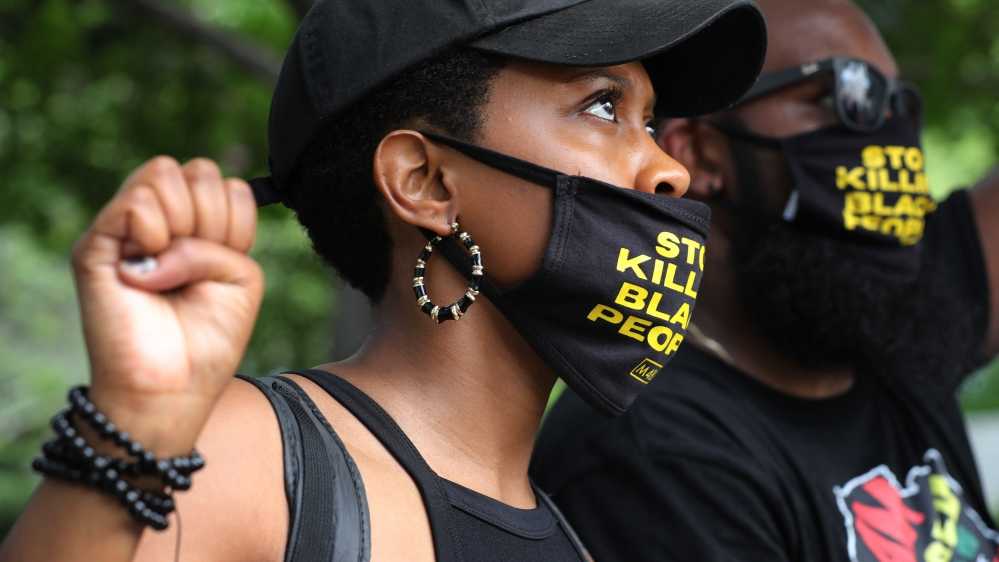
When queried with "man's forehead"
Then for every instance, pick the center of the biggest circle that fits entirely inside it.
(803, 31)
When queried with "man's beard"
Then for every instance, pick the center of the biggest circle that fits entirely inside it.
(824, 303)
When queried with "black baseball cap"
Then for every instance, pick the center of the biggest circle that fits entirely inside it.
(701, 55)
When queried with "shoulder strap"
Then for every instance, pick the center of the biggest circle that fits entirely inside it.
(290, 441)
(384, 428)
(570, 533)
(328, 515)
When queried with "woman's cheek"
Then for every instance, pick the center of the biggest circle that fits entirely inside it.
(511, 224)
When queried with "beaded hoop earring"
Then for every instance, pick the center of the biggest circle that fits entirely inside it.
(460, 307)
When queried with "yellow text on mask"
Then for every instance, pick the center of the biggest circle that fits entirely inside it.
(905, 219)
(891, 169)
(659, 337)
(661, 272)
(887, 173)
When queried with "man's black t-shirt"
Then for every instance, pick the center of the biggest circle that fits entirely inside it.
(711, 465)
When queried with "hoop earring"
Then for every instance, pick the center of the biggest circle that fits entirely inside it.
(461, 306)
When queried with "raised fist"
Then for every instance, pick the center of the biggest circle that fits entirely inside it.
(168, 298)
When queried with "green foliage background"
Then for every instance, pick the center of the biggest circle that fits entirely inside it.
(950, 49)
(91, 88)
(88, 90)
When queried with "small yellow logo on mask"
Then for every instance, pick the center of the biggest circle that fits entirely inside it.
(646, 370)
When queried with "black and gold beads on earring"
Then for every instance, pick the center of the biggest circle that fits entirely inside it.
(461, 306)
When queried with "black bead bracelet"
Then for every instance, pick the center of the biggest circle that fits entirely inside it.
(71, 458)
(174, 472)
(148, 508)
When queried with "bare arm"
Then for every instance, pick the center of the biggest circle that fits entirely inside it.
(61, 518)
(163, 342)
(235, 511)
(985, 201)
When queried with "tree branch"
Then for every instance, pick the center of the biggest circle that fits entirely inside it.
(260, 62)
(301, 7)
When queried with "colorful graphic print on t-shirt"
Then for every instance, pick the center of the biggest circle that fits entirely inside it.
(925, 520)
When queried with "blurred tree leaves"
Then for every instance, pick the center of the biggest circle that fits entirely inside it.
(950, 49)
(88, 90)
(91, 88)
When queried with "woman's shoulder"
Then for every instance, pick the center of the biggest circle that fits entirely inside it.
(236, 508)
(400, 529)
(336, 418)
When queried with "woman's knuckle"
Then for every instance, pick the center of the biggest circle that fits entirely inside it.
(203, 168)
(185, 248)
(240, 191)
(237, 184)
(142, 195)
(162, 166)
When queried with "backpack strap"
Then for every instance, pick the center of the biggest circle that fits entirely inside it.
(328, 518)
(447, 542)
(569, 532)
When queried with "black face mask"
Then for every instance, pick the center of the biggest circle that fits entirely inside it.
(614, 296)
(868, 189)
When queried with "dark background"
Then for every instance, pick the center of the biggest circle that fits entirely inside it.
(91, 88)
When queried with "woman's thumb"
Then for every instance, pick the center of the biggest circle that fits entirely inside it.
(189, 261)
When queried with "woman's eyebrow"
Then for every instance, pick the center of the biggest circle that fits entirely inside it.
(592, 74)
(623, 82)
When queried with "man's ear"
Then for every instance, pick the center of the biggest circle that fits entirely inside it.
(407, 172)
(701, 149)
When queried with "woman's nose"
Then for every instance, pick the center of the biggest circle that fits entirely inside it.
(660, 173)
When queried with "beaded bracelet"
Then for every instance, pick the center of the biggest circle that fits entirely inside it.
(61, 456)
(71, 458)
(145, 507)
(174, 472)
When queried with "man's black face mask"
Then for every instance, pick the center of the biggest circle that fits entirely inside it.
(867, 189)
(837, 278)
(825, 301)
(862, 180)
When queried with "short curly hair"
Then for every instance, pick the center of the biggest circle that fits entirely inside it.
(332, 190)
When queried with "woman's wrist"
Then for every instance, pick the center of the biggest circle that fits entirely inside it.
(166, 424)
(91, 450)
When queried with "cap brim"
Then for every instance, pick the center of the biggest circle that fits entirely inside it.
(701, 55)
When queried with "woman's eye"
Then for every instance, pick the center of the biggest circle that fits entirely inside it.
(651, 130)
(604, 109)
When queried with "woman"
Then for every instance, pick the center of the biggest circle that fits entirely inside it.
(394, 124)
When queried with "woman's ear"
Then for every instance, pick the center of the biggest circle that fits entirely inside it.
(407, 172)
(701, 149)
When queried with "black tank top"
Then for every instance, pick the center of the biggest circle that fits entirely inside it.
(328, 510)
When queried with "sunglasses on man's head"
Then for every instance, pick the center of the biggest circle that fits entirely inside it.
(862, 96)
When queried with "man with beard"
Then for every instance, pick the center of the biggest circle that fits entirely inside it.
(814, 416)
